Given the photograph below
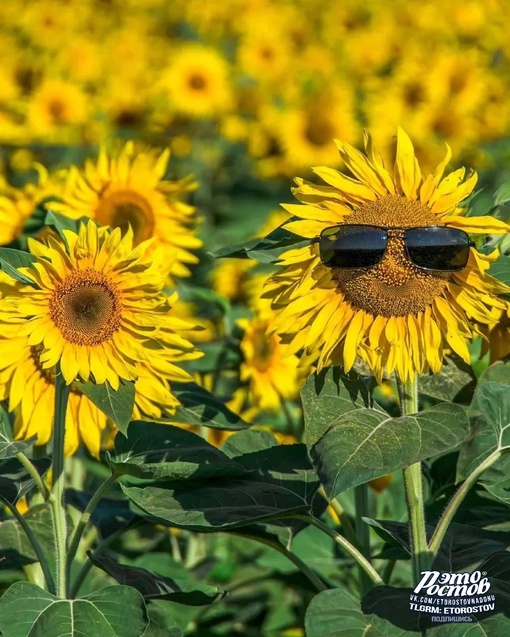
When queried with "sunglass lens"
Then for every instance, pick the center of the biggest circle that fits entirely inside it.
(438, 248)
(352, 246)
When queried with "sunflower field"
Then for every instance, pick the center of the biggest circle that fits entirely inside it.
(254, 318)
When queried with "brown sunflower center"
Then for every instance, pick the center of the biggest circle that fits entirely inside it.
(395, 286)
(197, 82)
(319, 131)
(263, 348)
(86, 308)
(124, 208)
(57, 109)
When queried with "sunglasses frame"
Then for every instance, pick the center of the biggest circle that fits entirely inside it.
(470, 244)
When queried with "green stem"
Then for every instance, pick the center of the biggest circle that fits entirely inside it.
(362, 530)
(85, 518)
(345, 521)
(346, 545)
(292, 557)
(35, 544)
(420, 555)
(56, 498)
(84, 571)
(388, 571)
(39, 482)
(455, 502)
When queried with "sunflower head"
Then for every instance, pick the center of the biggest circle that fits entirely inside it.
(127, 188)
(395, 315)
(99, 309)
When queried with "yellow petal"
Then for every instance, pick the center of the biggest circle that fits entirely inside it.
(407, 169)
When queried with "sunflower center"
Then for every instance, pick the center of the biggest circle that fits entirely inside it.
(56, 109)
(124, 208)
(86, 308)
(262, 349)
(197, 82)
(395, 286)
(319, 131)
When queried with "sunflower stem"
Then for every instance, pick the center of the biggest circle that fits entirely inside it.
(420, 555)
(346, 545)
(30, 468)
(56, 498)
(455, 502)
(362, 531)
(84, 519)
(34, 542)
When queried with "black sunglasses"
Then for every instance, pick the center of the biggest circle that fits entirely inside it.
(363, 246)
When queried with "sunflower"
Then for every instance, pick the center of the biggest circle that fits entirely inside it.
(98, 310)
(197, 82)
(18, 204)
(129, 189)
(270, 375)
(30, 389)
(395, 316)
(56, 104)
(306, 135)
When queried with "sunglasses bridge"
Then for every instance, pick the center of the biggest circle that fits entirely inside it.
(399, 232)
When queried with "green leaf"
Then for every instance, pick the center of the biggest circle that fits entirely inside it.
(14, 544)
(11, 260)
(337, 613)
(60, 222)
(8, 448)
(154, 586)
(328, 396)
(502, 195)
(117, 405)
(497, 373)
(498, 626)
(164, 452)
(490, 433)
(219, 505)
(200, 407)
(15, 481)
(248, 441)
(455, 383)
(500, 269)
(366, 443)
(266, 250)
(279, 482)
(115, 611)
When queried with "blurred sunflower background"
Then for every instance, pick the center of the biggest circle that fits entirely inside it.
(182, 123)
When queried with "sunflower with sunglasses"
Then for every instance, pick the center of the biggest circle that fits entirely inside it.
(390, 273)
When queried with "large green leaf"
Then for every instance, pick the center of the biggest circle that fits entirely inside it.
(490, 434)
(116, 404)
(219, 505)
(364, 444)
(115, 611)
(165, 452)
(500, 269)
(11, 260)
(14, 540)
(8, 448)
(328, 396)
(337, 613)
(498, 626)
(455, 383)
(279, 482)
(266, 250)
(200, 407)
